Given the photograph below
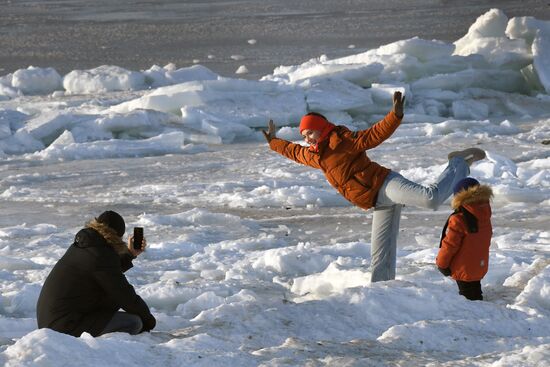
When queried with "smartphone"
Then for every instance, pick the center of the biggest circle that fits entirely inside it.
(138, 237)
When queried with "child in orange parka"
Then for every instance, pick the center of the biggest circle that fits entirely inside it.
(464, 247)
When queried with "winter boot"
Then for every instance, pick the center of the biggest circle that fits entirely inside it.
(470, 155)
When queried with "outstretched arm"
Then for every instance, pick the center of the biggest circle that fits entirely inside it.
(109, 277)
(292, 151)
(383, 129)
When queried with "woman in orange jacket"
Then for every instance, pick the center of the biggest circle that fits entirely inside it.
(340, 154)
(464, 247)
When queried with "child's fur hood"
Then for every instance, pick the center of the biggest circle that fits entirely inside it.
(475, 194)
(110, 236)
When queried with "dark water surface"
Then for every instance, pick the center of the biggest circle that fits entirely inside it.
(136, 34)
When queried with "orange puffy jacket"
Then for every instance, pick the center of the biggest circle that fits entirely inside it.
(465, 253)
(342, 159)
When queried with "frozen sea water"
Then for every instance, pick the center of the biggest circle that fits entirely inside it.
(79, 34)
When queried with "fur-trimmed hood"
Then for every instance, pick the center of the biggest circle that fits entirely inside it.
(475, 194)
(110, 236)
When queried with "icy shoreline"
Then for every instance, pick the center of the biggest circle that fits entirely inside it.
(498, 71)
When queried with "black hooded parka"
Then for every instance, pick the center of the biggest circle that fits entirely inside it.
(87, 287)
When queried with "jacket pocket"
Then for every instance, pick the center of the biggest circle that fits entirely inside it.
(354, 188)
(362, 179)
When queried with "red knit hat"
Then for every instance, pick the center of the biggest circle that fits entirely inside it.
(316, 122)
(313, 122)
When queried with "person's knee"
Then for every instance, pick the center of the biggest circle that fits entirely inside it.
(432, 201)
(137, 325)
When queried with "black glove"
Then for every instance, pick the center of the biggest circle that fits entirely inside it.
(149, 323)
(446, 272)
(398, 103)
(270, 133)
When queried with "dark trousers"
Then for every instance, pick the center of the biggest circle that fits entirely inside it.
(470, 290)
(125, 323)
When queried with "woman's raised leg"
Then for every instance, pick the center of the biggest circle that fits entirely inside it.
(399, 190)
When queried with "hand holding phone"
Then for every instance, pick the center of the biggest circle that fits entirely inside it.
(138, 238)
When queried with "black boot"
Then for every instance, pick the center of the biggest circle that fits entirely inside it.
(470, 290)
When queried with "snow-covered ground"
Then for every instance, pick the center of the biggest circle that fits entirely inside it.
(254, 260)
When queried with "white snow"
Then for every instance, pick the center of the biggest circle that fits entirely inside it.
(541, 57)
(242, 70)
(255, 260)
(36, 80)
(487, 37)
(158, 76)
(104, 78)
